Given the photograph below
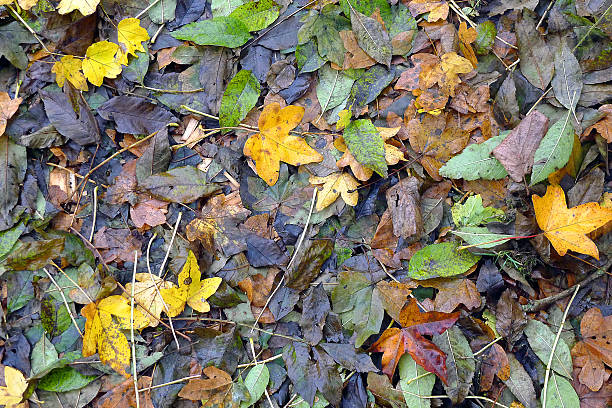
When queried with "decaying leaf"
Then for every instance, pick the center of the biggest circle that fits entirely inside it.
(334, 186)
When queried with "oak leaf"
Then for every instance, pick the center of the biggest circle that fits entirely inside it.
(191, 290)
(335, 185)
(594, 352)
(131, 35)
(105, 320)
(12, 395)
(566, 228)
(394, 342)
(273, 143)
(101, 61)
(69, 68)
(86, 7)
(8, 107)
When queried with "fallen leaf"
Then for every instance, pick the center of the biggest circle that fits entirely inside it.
(69, 68)
(86, 7)
(131, 35)
(147, 292)
(258, 289)
(438, 10)
(405, 208)
(511, 319)
(101, 62)
(274, 144)
(103, 334)
(124, 395)
(335, 185)
(566, 228)
(594, 352)
(604, 126)
(355, 57)
(191, 289)
(394, 342)
(8, 107)
(452, 293)
(467, 37)
(215, 389)
(12, 395)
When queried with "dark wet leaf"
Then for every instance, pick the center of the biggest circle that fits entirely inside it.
(76, 121)
(181, 184)
(135, 115)
(310, 264)
(264, 252)
(13, 165)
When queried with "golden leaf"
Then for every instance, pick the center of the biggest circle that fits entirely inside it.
(565, 228)
(131, 35)
(86, 7)
(101, 61)
(69, 68)
(12, 395)
(335, 185)
(148, 296)
(274, 144)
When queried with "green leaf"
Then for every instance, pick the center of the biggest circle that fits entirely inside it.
(239, 98)
(64, 379)
(257, 15)
(368, 7)
(372, 37)
(180, 185)
(554, 150)
(415, 381)
(308, 58)
(560, 393)
(368, 86)
(221, 31)
(13, 164)
(485, 37)
(472, 213)
(162, 11)
(43, 355)
(476, 162)
(223, 8)
(480, 237)
(460, 363)
(325, 27)
(256, 382)
(440, 260)
(333, 88)
(33, 255)
(541, 339)
(9, 237)
(366, 144)
(402, 22)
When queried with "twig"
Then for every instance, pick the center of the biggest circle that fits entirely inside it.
(134, 372)
(147, 9)
(482, 350)
(540, 304)
(295, 252)
(170, 382)
(77, 175)
(591, 28)
(163, 264)
(95, 212)
(550, 4)
(554, 346)
(539, 100)
(27, 26)
(267, 360)
(72, 281)
(65, 301)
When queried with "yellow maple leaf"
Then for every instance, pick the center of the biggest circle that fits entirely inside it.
(103, 334)
(273, 143)
(335, 185)
(69, 68)
(191, 290)
(101, 61)
(131, 35)
(86, 7)
(452, 65)
(566, 228)
(148, 296)
(12, 395)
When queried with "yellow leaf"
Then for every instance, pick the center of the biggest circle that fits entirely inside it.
(101, 61)
(69, 68)
(27, 4)
(5, 2)
(566, 228)
(148, 296)
(16, 385)
(274, 144)
(86, 7)
(131, 34)
(452, 65)
(191, 290)
(334, 185)
(345, 118)
(103, 334)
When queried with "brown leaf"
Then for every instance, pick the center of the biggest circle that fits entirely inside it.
(257, 289)
(604, 126)
(8, 107)
(511, 319)
(405, 208)
(452, 293)
(516, 151)
(494, 362)
(124, 395)
(355, 57)
(394, 296)
(595, 350)
(117, 244)
(592, 399)
(215, 389)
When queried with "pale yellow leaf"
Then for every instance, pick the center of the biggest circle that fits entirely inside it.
(16, 385)
(86, 7)
(101, 61)
(69, 68)
(335, 185)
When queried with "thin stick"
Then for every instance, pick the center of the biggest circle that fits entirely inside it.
(256, 363)
(72, 281)
(16, 15)
(545, 13)
(482, 350)
(295, 252)
(591, 28)
(170, 383)
(147, 9)
(159, 293)
(95, 212)
(539, 100)
(77, 175)
(554, 346)
(176, 225)
(267, 360)
(134, 372)
(65, 301)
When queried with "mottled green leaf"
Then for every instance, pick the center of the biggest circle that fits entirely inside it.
(368, 7)
(372, 37)
(366, 144)
(257, 15)
(308, 58)
(325, 27)
(223, 8)
(368, 86)
(221, 31)
(256, 382)
(460, 363)
(180, 185)
(476, 162)
(440, 260)
(554, 150)
(541, 339)
(485, 37)
(162, 11)
(333, 88)
(239, 98)
(415, 381)
(9, 237)
(33, 255)
(64, 379)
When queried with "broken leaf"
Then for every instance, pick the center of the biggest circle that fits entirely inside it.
(69, 68)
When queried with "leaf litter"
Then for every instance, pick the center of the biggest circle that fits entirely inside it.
(342, 203)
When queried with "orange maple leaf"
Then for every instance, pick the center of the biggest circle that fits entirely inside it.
(273, 143)
(566, 228)
(394, 342)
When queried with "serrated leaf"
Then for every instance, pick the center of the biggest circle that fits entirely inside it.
(440, 260)
(257, 15)
(476, 162)
(367, 146)
(221, 31)
(239, 98)
(554, 151)
(372, 37)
